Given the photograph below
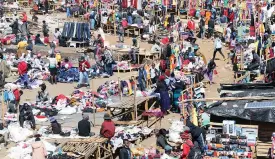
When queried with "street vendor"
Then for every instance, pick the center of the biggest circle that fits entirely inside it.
(43, 95)
(55, 126)
(25, 114)
(84, 126)
(108, 127)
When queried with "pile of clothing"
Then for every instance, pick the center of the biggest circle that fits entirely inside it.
(122, 65)
(24, 149)
(132, 133)
(68, 75)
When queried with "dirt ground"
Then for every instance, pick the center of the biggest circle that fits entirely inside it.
(225, 75)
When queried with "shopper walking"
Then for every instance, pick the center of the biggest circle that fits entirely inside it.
(218, 48)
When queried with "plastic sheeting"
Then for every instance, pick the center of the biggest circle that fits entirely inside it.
(235, 109)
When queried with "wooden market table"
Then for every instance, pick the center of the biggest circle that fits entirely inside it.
(94, 147)
(127, 106)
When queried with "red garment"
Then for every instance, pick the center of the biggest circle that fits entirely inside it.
(25, 18)
(191, 25)
(186, 149)
(225, 12)
(16, 95)
(107, 129)
(22, 67)
(124, 23)
(83, 65)
(231, 17)
(61, 96)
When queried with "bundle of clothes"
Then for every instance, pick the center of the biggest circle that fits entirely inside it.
(131, 133)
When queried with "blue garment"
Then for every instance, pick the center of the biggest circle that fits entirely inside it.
(83, 78)
(24, 80)
(68, 12)
(92, 23)
(130, 20)
(67, 76)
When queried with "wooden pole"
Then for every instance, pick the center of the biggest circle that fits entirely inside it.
(135, 100)
(119, 90)
(230, 99)
(93, 101)
(3, 108)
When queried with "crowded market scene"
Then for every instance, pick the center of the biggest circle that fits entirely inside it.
(137, 79)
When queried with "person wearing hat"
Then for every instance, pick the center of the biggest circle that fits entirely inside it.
(125, 151)
(38, 148)
(108, 127)
(55, 126)
(43, 95)
(84, 126)
(84, 66)
(168, 153)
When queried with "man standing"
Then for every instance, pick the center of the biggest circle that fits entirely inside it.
(211, 26)
(108, 127)
(45, 29)
(84, 66)
(24, 25)
(121, 33)
(202, 27)
(14, 27)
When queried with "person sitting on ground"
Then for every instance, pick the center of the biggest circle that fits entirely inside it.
(66, 63)
(108, 127)
(43, 95)
(255, 61)
(161, 138)
(25, 114)
(168, 153)
(55, 126)
(125, 152)
(38, 148)
(37, 40)
(38, 62)
(84, 126)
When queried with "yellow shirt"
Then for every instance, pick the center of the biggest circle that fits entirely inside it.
(22, 44)
(58, 57)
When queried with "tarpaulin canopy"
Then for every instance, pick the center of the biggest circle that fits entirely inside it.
(238, 109)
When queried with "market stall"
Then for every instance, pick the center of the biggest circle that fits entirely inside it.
(93, 147)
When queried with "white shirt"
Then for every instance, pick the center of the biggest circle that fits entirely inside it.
(52, 62)
(218, 44)
(37, 63)
(153, 72)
